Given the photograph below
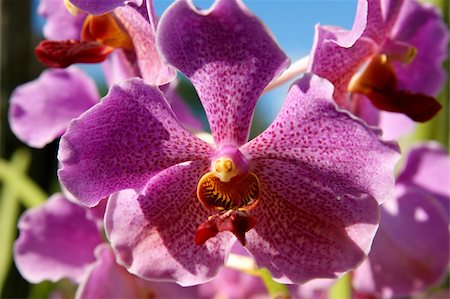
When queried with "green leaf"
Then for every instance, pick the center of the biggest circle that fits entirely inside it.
(275, 289)
(26, 189)
(342, 289)
(9, 212)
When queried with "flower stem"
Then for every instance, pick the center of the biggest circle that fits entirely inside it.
(298, 67)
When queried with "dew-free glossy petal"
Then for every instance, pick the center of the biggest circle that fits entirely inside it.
(122, 141)
(151, 66)
(229, 56)
(328, 144)
(303, 230)
(153, 234)
(56, 241)
(422, 26)
(410, 252)
(103, 6)
(60, 24)
(41, 110)
(427, 168)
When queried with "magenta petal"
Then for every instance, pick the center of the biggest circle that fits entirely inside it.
(153, 234)
(152, 68)
(118, 67)
(41, 110)
(410, 252)
(230, 58)
(421, 26)
(96, 7)
(336, 63)
(303, 230)
(108, 280)
(328, 144)
(427, 168)
(60, 24)
(121, 142)
(56, 241)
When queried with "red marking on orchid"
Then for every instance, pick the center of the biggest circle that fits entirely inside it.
(379, 83)
(61, 54)
(237, 222)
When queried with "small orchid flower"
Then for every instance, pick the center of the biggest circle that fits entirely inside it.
(60, 240)
(402, 71)
(302, 197)
(128, 29)
(410, 252)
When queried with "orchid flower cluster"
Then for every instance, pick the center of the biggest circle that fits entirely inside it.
(151, 208)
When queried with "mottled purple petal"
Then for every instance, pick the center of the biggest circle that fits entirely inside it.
(329, 145)
(422, 26)
(122, 141)
(427, 168)
(303, 231)
(152, 68)
(410, 252)
(56, 241)
(108, 280)
(230, 58)
(99, 7)
(153, 234)
(60, 24)
(336, 63)
(41, 110)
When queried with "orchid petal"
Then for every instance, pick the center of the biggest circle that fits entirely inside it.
(102, 7)
(422, 26)
(107, 279)
(303, 231)
(328, 144)
(41, 110)
(427, 168)
(122, 141)
(60, 24)
(56, 241)
(152, 68)
(336, 63)
(410, 252)
(229, 56)
(118, 67)
(153, 234)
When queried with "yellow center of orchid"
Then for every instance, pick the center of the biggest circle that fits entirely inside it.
(226, 187)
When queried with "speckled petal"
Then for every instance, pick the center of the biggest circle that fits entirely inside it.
(336, 63)
(303, 230)
(108, 280)
(427, 168)
(121, 142)
(56, 241)
(410, 252)
(60, 24)
(230, 57)
(153, 234)
(101, 7)
(41, 110)
(151, 66)
(422, 26)
(329, 145)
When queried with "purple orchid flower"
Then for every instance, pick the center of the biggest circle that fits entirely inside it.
(59, 240)
(403, 72)
(303, 196)
(410, 252)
